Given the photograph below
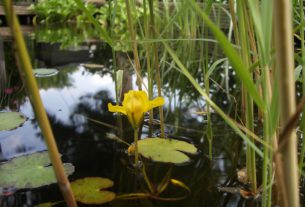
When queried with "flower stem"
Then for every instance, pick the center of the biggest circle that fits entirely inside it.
(136, 136)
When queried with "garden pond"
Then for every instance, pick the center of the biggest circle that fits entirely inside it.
(76, 97)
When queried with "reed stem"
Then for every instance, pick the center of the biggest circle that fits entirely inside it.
(134, 44)
(285, 67)
(247, 102)
(156, 63)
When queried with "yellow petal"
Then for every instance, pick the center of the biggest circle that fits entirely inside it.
(159, 101)
(116, 108)
(140, 96)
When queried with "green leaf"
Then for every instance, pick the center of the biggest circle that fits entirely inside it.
(297, 72)
(49, 204)
(45, 72)
(93, 66)
(11, 120)
(165, 150)
(90, 190)
(30, 171)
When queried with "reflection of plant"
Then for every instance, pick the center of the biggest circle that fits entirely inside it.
(156, 189)
(60, 80)
(71, 36)
(111, 16)
(117, 20)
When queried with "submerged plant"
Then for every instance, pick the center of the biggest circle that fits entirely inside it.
(135, 104)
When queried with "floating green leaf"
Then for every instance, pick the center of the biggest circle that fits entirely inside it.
(49, 204)
(165, 150)
(11, 120)
(30, 171)
(45, 72)
(90, 190)
(93, 66)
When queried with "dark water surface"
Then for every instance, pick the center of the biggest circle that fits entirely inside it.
(77, 93)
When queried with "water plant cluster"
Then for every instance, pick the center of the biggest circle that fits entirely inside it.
(170, 43)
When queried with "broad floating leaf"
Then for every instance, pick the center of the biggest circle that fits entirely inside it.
(93, 66)
(90, 190)
(165, 150)
(45, 72)
(30, 171)
(49, 204)
(11, 120)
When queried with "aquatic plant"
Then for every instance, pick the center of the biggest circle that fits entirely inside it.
(30, 171)
(165, 150)
(134, 105)
(11, 120)
(92, 190)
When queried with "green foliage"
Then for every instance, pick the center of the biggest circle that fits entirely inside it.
(165, 150)
(30, 171)
(45, 72)
(11, 120)
(50, 11)
(90, 190)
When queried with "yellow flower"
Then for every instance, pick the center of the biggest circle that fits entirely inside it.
(135, 104)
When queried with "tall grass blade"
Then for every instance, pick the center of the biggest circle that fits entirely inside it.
(235, 60)
(212, 104)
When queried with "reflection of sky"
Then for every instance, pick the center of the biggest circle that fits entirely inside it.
(22, 140)
(59, 103)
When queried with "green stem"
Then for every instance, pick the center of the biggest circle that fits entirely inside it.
(136, 137)
(156, 64)
(32, 88)
(247, 104)
(148, 63)
(134, 44)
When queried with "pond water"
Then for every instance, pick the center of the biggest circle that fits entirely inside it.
(76, 102)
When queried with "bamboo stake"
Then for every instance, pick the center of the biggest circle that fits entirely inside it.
(32, 88)
(285, 67)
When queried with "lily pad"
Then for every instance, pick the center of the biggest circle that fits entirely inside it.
(45, 72)
(30, 171)
(90, 190)
(11, 120)
(93, 66)
(165, 150)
